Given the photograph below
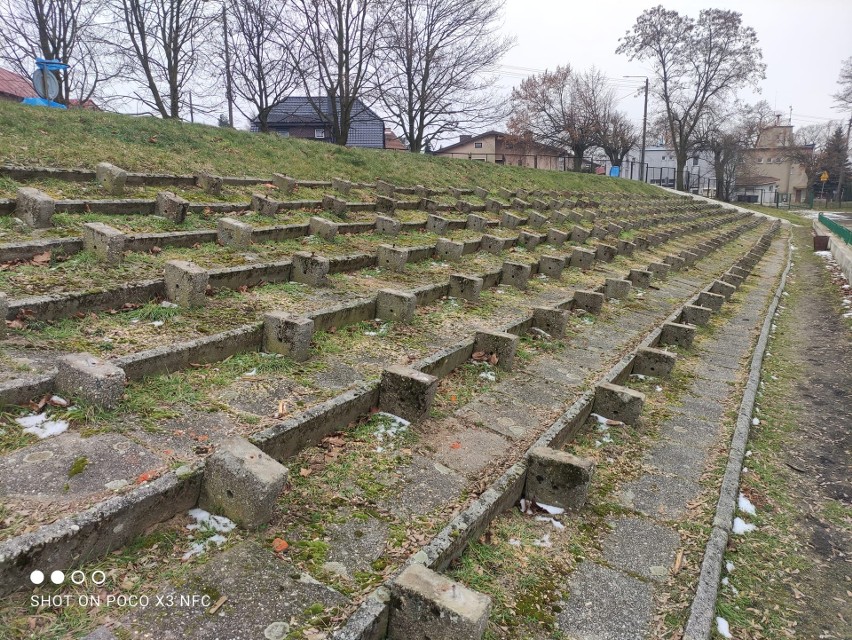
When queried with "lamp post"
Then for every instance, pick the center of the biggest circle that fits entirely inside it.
(644, 129)
(229, 95)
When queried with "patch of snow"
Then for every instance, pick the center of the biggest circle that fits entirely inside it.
(658, 388)
(59, 401)
(206, 520)
(168, 305)
(134, 321)
(157, 323)
(253, 372)
(554, 511)
(755, 421)
(514, 542)
(725, 581)
(729, 566)
(745, 505)
(723, 628)
(741, 526)
(49, 428)
(638, 376)
(543, 542)
(553, 521)
(488, 375)
(31, 421)
(606, 439)
(748, 453)
(745, 469)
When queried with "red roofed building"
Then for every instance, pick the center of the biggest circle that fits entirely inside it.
(15, 87)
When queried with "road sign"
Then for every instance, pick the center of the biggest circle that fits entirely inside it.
(823, 177)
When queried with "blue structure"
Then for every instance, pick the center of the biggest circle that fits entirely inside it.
(45, 84)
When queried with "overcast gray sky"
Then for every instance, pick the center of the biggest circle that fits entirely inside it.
(803, 44)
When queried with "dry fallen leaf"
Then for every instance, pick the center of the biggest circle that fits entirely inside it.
(305, 472)
(280, 545)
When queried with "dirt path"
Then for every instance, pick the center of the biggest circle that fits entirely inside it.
(796, 570)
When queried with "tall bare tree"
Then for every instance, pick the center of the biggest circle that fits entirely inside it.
(333, 49)
(433, 72)
(697, 63)
(65, 30)
(557, 108)
(843, 101)
(806, 147)
(260, 67)
(164, 42)
(617, 135)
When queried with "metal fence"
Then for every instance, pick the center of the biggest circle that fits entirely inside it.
(838, 229)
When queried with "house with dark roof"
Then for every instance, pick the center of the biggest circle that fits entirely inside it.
(503, 148)
(299, 117)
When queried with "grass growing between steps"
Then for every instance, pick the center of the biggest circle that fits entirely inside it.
(50, 137)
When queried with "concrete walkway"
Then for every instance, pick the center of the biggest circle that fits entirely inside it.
(614, 600)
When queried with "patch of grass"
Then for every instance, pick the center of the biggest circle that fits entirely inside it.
(78, 466)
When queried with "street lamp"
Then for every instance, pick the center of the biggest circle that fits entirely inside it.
(644, 129)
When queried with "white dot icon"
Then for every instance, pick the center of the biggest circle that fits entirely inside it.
(37, 577)
(57, 577)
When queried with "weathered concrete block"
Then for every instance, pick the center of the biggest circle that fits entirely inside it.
(425, 605)
(393, 258)
(288, 335)
(323, 228)
(338, 206)
(341, 185)
(427, 204)
(530, 240)
(689, 257)
(170, 206)
(233, 233)
(677, 334)
(264, 205)
(516, 274)
(89, 378)
(519, 204)
(465, 287)
(406, 392)
(479, 192)
(449, 249)
(614, 229)
(437, 224)
(695, 315)
(590, 301)
(522, 193)
(733, 280)
(502, 344)
(659, 270)
(34, 207)
(558, 217)
(723, 289)
(493, 244)
(675, 263)
(510, 221)
(383, 203)
(582, 259)
(599, 231)
(242, 483)
(551, 266)
(209, 183)
(605, 253)
(503, 192)
(626, 248)
(4, 310)
(617, 288)
(618, 403)
(493, 206)
(285, 184)
(535, 219)
(106, 242)
(310, 269)
(640, 278)
(477, 223)
(385, 188)
(550, 320)
(556, 237)
(395, 305)
(653, 362)
(111, 178)
(558, 478)
(579, 234)
(710, 300)
(387, 225)
(186, 283)
(742, 273)
(463, 206)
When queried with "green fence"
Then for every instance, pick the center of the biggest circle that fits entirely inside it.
(840, 230)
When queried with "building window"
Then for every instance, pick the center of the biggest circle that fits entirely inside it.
(283, 134)
(760, 161)
(477, 145)
(695, 162)
(319, 133)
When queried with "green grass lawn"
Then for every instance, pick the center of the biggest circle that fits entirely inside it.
(34, 136)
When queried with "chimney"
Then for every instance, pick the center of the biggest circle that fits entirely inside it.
(464, 138)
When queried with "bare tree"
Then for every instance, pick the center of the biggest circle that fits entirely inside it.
(696, 63)
(843, 102)
(433, 74)
(164, 42)
(260, 67)
(557, 108)
(806, 147)
(753, 119)
(333, 51)
(64, 30)
(617, 135)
